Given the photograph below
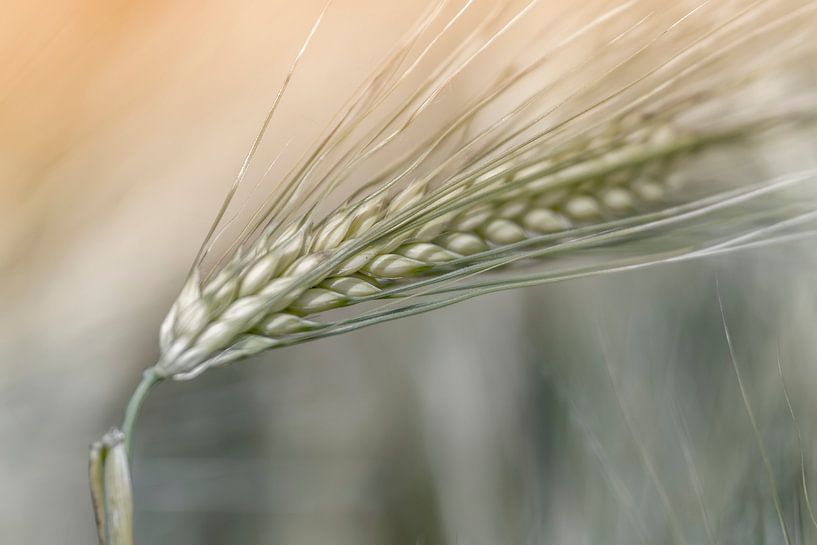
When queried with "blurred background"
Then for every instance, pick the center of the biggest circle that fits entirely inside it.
(605, 410)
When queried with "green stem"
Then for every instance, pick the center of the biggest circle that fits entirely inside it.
(149, 379)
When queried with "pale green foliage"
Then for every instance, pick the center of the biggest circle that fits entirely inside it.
(111, 489)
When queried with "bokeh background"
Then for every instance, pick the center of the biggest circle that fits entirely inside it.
(605, 410)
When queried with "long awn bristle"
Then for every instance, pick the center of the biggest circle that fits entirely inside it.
(532, 182)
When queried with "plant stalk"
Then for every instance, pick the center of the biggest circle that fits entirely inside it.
(149, 379)
(109, 472)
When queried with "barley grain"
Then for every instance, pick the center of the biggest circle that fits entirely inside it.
(263, 294)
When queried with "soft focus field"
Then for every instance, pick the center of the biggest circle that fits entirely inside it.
(604, 410)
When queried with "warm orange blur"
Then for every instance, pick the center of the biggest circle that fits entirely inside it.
(122, 124)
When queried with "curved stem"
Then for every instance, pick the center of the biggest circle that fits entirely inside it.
(149, 379)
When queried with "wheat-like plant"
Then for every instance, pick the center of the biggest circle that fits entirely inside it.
(568, 151)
